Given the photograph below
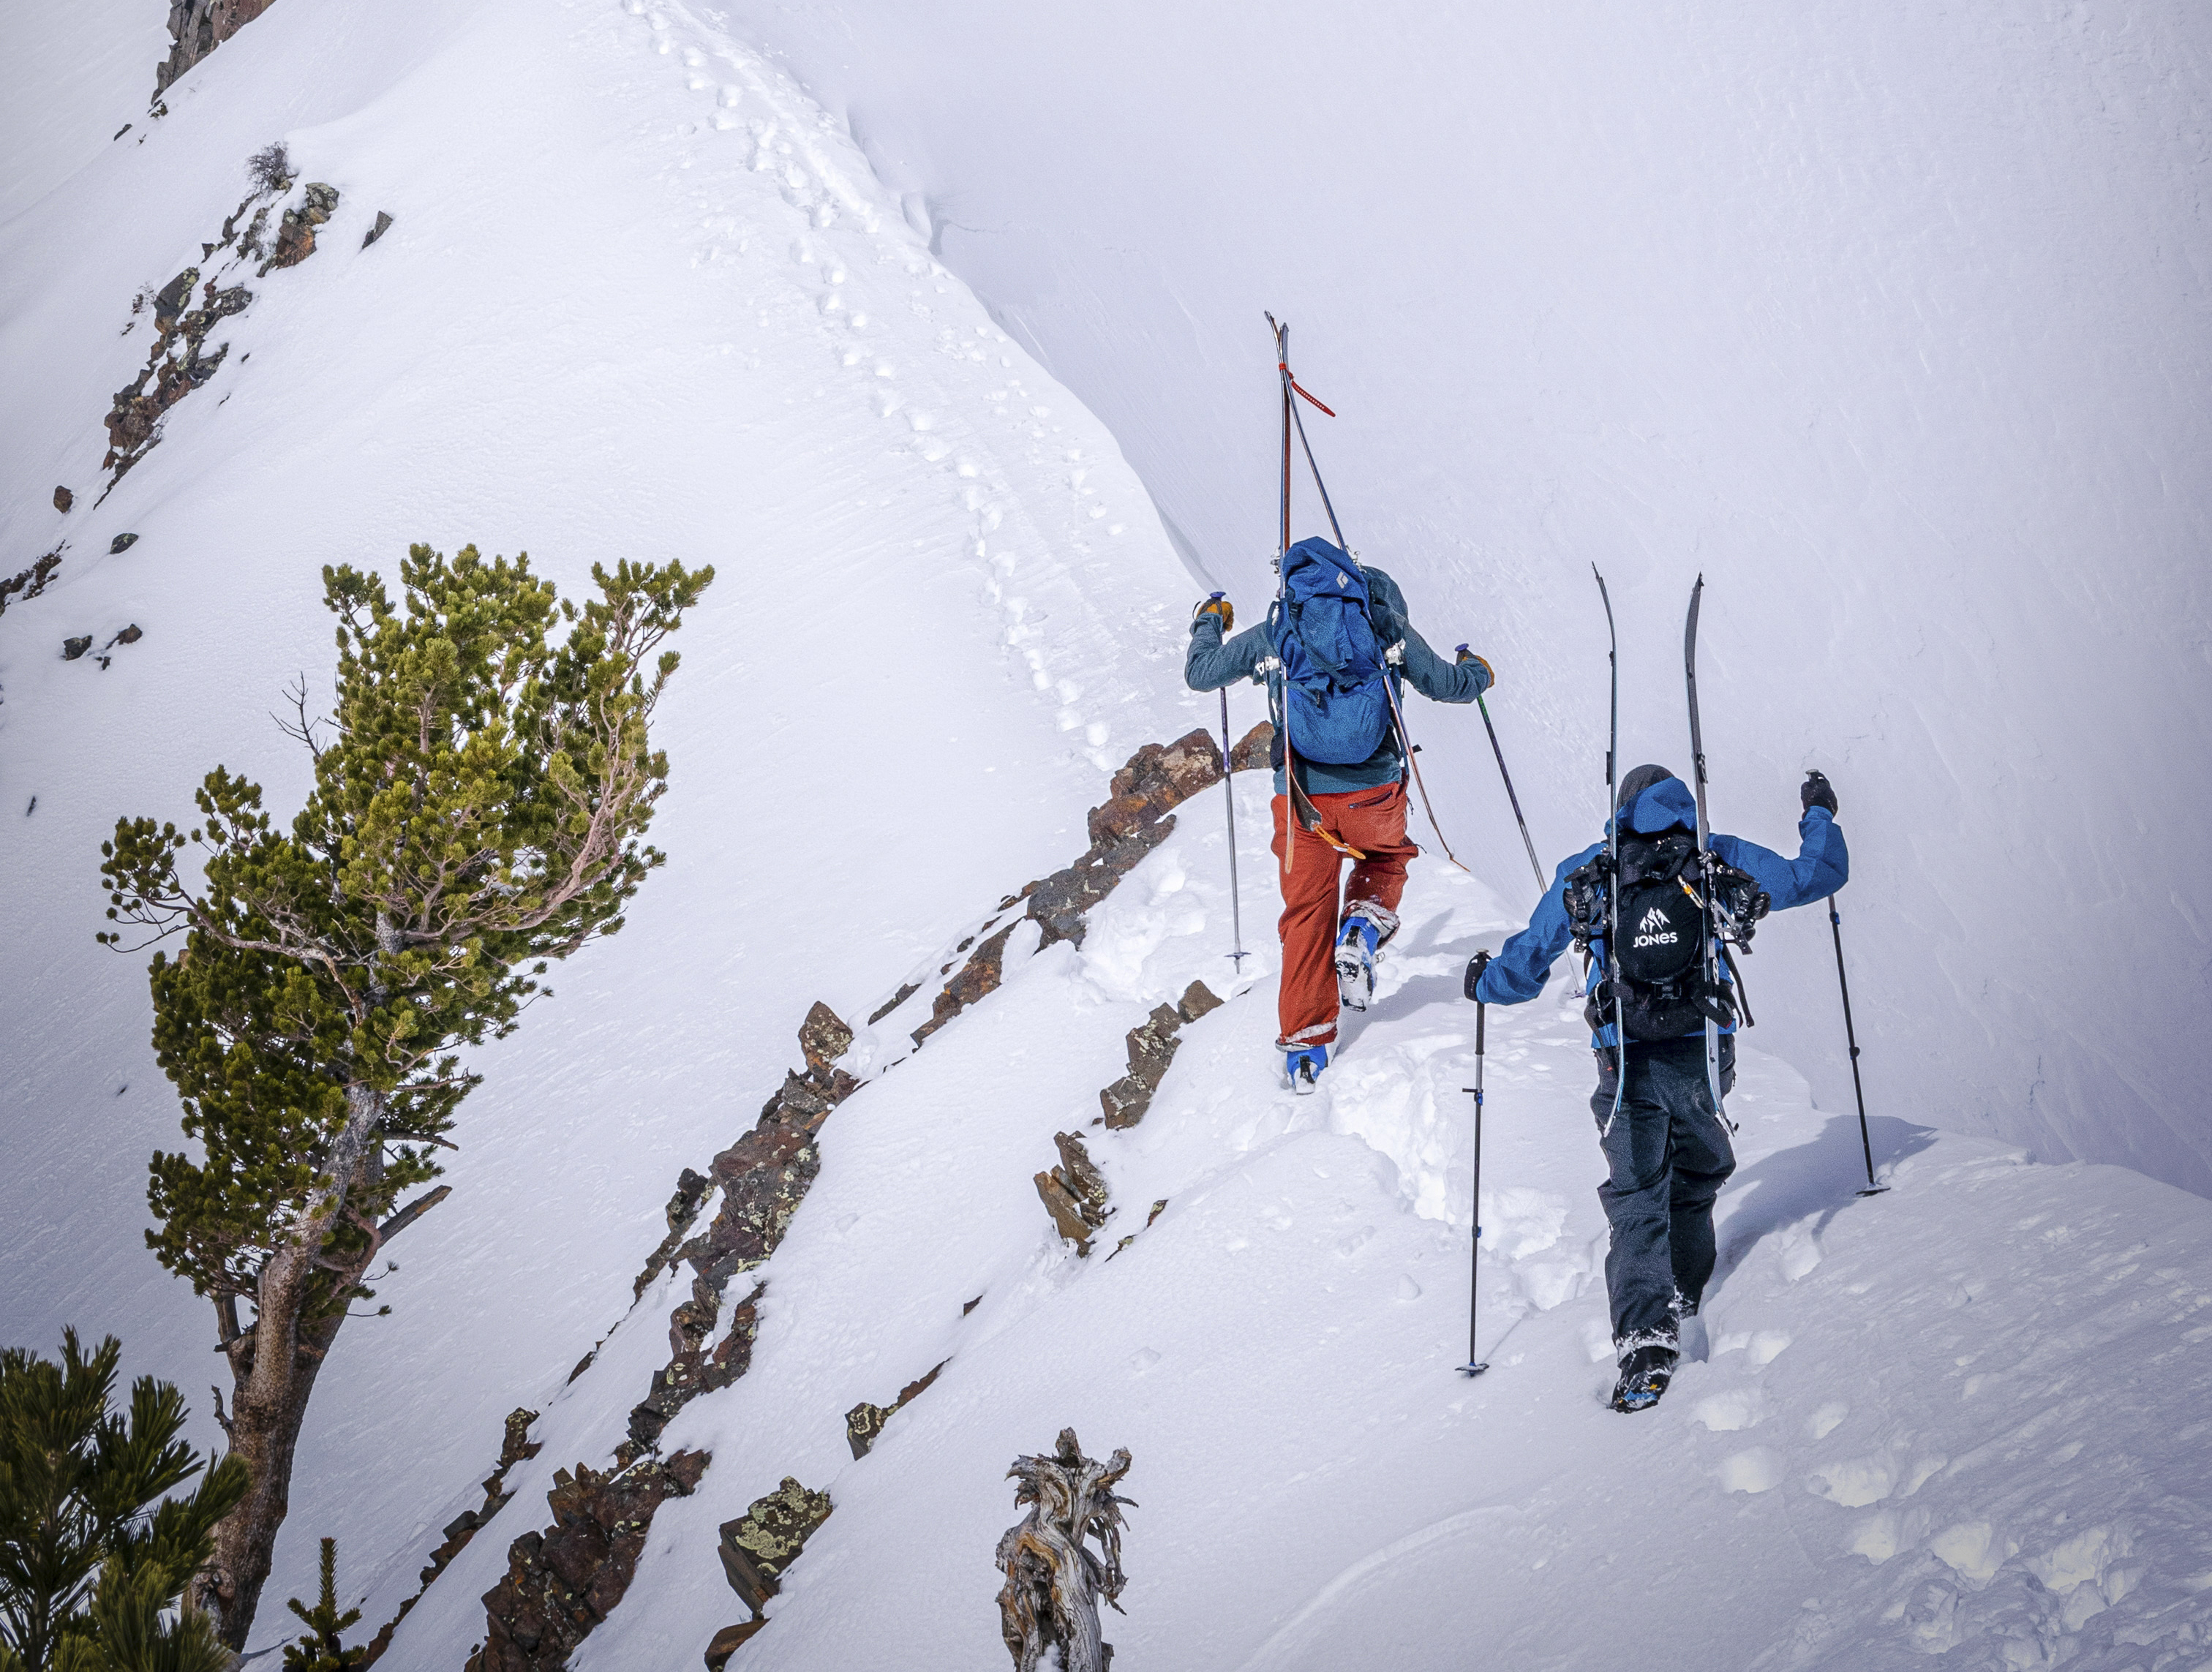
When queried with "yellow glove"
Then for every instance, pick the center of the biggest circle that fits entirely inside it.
(1217, 604)
(1489, 679)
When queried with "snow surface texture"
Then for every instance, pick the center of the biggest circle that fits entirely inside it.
(1890, 319)
(1963, 1414)
(639, 299)
(615, 315)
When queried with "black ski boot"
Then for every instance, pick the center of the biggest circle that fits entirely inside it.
(1644, 1375)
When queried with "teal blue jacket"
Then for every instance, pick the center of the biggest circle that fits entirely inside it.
(1210, 664)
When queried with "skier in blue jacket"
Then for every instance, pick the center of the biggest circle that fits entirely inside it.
(1667, 1150)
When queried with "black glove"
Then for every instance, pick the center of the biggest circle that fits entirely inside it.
(1475, 966)
(1215, 605)
(1817, 792)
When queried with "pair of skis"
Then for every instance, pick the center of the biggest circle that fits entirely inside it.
(1612, 840)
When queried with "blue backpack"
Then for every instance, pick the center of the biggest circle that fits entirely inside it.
(1336, 704)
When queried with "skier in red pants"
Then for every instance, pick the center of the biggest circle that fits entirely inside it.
(1340, 769)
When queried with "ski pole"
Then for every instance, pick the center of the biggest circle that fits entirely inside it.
(1228, 783)
(1533, 864)
(1475, 1366)
(1850, 1036)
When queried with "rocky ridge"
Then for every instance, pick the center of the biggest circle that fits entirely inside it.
(561, 1581)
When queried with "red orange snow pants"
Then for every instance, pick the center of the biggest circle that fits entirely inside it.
(1374, 822)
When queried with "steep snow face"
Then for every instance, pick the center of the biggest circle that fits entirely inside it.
(1962, 1414)
(639, 299)
(1888, 318)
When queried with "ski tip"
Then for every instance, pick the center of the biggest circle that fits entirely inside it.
(1473, 1370)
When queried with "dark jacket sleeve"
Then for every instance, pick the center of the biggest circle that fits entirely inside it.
(1209, 664)
(1524, 964)
(1438, 680)
(1823, 865)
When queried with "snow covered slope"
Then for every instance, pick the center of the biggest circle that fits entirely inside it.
(1888, 318)
(1964, 1415)
(635, 300)
(640, 296)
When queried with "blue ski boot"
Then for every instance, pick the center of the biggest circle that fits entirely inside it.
(1304, 1066)
(1355, 963)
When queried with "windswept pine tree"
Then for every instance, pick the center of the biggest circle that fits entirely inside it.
(95, 1552)
(480, 799)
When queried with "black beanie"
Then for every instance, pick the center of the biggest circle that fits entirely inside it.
(1639, 781)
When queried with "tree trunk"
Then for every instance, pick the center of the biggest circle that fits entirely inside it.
(273, 1368)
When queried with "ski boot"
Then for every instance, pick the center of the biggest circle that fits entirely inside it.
(1690, 1328)
(1355, 963)
(1304, 1066)
(1644, 1375)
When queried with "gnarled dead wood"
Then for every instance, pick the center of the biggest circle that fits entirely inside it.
(1054, 1578)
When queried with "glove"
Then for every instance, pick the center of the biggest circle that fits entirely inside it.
(1215, 605)
(1475, 966)
(1817, 792)
(1489, 679)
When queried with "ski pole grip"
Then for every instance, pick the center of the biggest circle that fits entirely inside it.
(1475, 966)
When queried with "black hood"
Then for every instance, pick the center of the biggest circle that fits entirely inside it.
(1641, 779)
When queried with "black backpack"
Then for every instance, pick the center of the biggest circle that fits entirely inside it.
(1657, 972)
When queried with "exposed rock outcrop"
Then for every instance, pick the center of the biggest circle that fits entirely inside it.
(188, 307)
(1135, 818)
(30, 582)
(197, 27)
(1074, 1193)
(296, 233)
(177, 365)
(562, 1582)
(1152, 1044)
(692, 1190)
(759, 1548)
(515, 1445)
(62, 499)
(864, 1421)
(1254, 748)
(762, 1177)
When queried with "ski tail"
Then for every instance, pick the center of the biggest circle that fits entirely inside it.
(1704, 849)
(1612, 853)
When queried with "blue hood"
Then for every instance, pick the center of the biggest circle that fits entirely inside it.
(1666, 806)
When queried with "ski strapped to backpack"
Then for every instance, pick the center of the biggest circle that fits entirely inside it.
(1303, 811)
(1717, 941)
(1301, 805)
(1667, 910)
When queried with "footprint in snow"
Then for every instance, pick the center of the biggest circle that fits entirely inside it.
(1725, 1412)
(1759, 1469)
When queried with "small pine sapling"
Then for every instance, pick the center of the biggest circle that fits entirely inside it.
(320, 1651)
(479, 806)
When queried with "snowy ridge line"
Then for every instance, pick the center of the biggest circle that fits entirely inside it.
(817, 168)
(761, 1182)
(744, 367)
